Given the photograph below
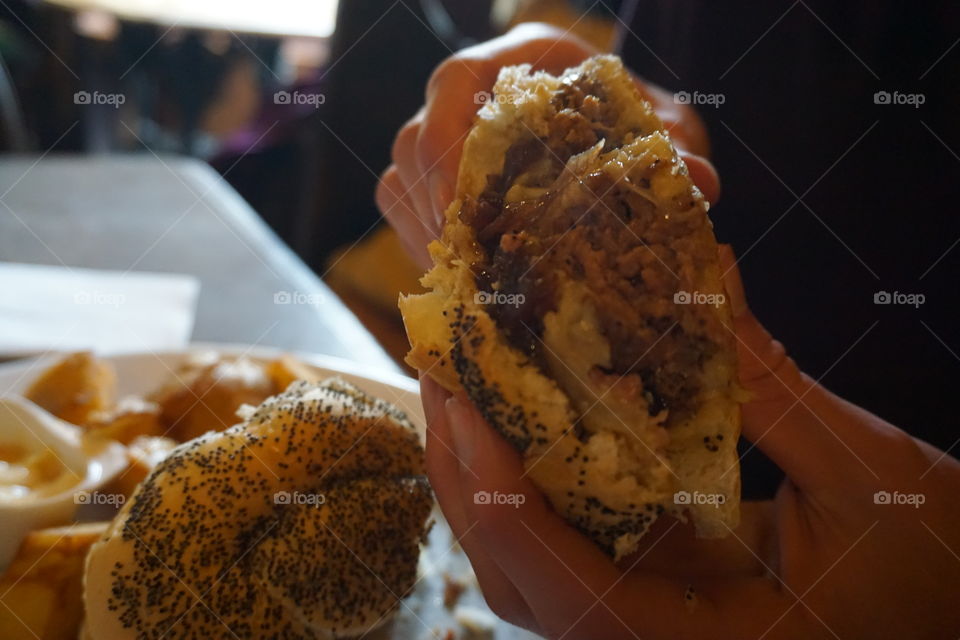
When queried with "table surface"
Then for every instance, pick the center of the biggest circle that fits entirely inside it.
(176, 215)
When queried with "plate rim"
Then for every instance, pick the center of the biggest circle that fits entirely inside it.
(407, 388)
(320, 360)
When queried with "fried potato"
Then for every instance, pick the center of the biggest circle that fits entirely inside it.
(42, 586)
(75, 388)
(131, 418)
(286, 369)
(143, 454)
(206, 393)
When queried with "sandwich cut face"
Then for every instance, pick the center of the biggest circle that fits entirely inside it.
(597, 338)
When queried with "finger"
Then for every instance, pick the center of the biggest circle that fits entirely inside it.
(398, 210)
(443, 468)
(449, 112)
(415, 183)
(557, 570)
(574, 589)
(819, 440)
(682, 122)
(703, 175)
(688, 134)
(453, 89)
(540, 45)
(438, 152)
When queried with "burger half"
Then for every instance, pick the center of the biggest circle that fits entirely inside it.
(576, 298)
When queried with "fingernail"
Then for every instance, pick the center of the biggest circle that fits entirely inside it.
(463, 430)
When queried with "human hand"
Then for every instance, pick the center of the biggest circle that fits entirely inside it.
(414, 191)
(829, 557)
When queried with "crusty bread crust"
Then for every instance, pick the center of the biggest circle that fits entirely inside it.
(603, 462)
(272, 522)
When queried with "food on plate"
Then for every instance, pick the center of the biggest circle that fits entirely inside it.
(286, 369)
(453, 588)
(41, 587)
(202, 394)
(131, 418)
(206, 391)
(576, 297)
(75, 388)
(143, 454)
(304, 521)
(474, 620)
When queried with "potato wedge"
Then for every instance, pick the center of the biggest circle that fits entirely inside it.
(42, 586)
(75, 388)
(206, 393)
(129, 419)
(286, 369)
(143, 454)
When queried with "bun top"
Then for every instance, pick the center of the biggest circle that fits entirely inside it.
(302, 522)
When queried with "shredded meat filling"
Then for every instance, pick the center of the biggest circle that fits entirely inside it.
(613, 238)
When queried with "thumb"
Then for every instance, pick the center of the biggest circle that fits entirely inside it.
(811, 434)
(766, 371)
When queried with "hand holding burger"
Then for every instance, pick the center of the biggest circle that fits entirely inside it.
(830, 556)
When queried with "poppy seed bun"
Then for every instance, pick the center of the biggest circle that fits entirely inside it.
(304, 521)
(558, 303)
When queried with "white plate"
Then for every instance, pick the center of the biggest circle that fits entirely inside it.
(139, 373)
(422, 614)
